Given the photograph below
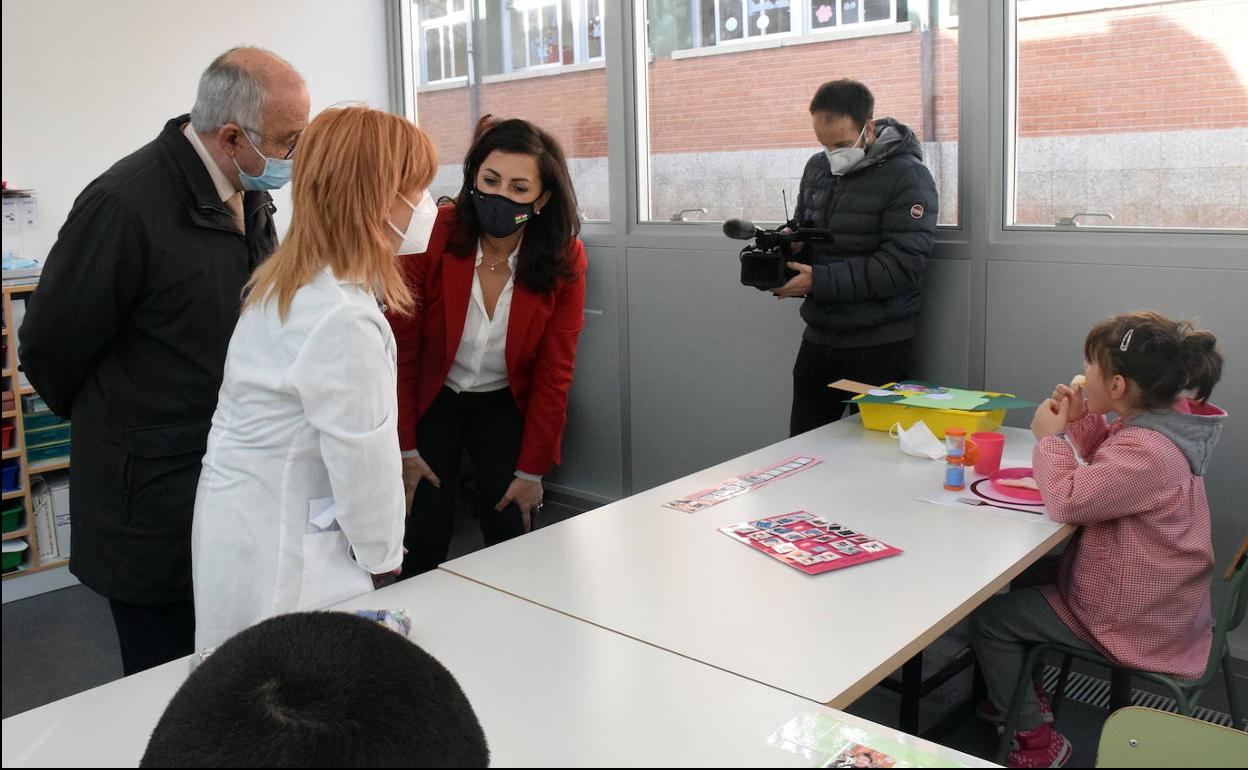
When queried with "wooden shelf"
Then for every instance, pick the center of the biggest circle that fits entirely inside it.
(41, 568)
(53, 465)
(9, 365)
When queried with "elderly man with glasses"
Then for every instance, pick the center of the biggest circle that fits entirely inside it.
(127, 332)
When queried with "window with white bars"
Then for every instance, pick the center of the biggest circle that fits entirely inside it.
(720, 22)
(509, 35)
(541, 33)
(443, 39)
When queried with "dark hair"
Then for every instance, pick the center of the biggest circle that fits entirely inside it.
(1161, 356)
(845, 97)
(318, 689)
(543, 256)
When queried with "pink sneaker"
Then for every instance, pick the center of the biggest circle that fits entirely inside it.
(1041, 747)
(989, 713)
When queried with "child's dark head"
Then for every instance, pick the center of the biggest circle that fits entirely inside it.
(1161, 357)
(323, 689)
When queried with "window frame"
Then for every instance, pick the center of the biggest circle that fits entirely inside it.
(799, 9)
(1007, 211)
(445, 27)
(580, 40)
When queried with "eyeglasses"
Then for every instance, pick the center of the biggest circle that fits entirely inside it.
(290, 151)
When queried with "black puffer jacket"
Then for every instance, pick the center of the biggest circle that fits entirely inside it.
(883, 216)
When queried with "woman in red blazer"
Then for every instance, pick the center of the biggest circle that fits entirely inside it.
(486, 359)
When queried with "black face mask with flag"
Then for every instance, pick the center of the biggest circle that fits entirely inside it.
(499, 215)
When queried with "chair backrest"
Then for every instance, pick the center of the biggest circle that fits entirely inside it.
(1231, 611)
(1140, 737)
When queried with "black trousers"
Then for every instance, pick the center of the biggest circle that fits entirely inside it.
(489, 426)
(815, 404)
(152, 634)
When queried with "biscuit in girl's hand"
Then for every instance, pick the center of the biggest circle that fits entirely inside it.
(1077, 381)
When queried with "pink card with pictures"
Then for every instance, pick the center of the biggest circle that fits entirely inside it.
(810, 543)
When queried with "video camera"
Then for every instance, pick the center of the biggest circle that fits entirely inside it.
(763, 262)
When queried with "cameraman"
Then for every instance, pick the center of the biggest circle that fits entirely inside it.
(861, 289)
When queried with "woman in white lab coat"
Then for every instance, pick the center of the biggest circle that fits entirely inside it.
(300, 500)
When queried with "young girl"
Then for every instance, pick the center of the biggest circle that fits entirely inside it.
(1133, 583)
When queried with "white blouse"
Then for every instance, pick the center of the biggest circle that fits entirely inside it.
(480, 363)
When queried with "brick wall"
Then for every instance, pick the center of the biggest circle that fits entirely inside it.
(1120, 70)
(572, 107)
(1149, 68)
(1124, 75)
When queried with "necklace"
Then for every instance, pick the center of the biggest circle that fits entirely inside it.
(494, 265)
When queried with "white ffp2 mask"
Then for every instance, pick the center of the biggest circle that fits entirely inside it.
(416, 238)
(918, 441)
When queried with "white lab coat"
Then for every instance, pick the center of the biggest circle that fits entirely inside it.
(301, 493)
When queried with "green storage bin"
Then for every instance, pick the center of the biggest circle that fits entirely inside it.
(41, 437)
(47, 454)
(33, 402)
(12, 515)
(14, 550)
(36, 420)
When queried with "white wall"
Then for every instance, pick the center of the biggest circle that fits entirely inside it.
(86, 82)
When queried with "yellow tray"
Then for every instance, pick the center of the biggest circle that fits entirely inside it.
(884, 416)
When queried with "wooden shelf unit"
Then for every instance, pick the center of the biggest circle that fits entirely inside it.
(31, 563)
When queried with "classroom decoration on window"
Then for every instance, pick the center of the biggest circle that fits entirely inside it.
(739, 485)
(829, 742)
(809, 543)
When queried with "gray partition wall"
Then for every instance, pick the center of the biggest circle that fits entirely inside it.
(681, 367)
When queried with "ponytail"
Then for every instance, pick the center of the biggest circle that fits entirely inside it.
(1200, 359)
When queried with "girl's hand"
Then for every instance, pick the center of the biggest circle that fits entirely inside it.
(1051, 417)
(525, 494)
(1074, 396)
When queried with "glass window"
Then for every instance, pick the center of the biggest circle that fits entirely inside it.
(728, 127)
(593, 28)
(444, 31)
(1130, 115)
(541, 60)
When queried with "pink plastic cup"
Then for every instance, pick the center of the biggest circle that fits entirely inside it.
(990, 446)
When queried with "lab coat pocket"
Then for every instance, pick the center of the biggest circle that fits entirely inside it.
(330, 575)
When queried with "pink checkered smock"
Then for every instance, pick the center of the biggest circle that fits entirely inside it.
(1134, 582)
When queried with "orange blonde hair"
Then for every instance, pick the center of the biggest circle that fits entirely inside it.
(351, 164)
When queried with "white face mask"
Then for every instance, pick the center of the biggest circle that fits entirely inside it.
(842, 159)
(919, 441)
(416, 239)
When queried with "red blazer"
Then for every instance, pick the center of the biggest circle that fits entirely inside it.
(542, 331)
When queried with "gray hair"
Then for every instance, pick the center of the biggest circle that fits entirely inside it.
(229, 93)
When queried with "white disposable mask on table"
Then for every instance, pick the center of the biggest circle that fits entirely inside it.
(918, 441)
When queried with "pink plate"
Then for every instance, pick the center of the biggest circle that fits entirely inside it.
(1014, 473)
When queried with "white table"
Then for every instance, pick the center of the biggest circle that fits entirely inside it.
(549, 690)
(671, 579)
